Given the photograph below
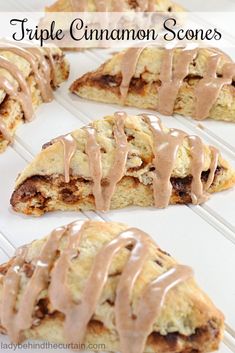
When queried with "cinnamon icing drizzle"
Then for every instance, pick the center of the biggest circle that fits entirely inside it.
(133, 328)
(45, 67)
(69, 146)
(206, 91)
(103, 193)
(24, 94)
(4, 131)
(16, 322)
(128, 67)
(172, 80)
(197, 194)
(52, 66)
(213, 166)
(166, 145)
(43, 73)
(34, 57)
(165, 152)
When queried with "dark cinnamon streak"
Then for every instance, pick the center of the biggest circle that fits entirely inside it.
(71, 193)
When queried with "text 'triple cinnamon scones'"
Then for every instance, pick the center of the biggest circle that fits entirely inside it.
(197, 82)
(109, 286)
(119, 161)
(28, 76)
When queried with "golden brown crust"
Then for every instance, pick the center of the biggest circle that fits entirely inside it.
(10, 110)
(103, 84)
(188, 322)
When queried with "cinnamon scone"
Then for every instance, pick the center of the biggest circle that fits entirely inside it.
(27, 78)
(113, 6)
(119, 161)
(190, 81)
(105, 287)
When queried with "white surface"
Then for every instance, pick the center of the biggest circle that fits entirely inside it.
(201, 236)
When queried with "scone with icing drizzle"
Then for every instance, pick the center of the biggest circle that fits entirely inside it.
(98, 283)
(27, 78)
(196, 82)
(119, 161)
(113, 6)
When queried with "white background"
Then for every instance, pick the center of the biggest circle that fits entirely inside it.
(200, 236)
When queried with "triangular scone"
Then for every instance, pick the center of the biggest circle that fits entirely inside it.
(113, 5)
(197, 82)
(28, 76)
(107, 286)
(118, 161)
